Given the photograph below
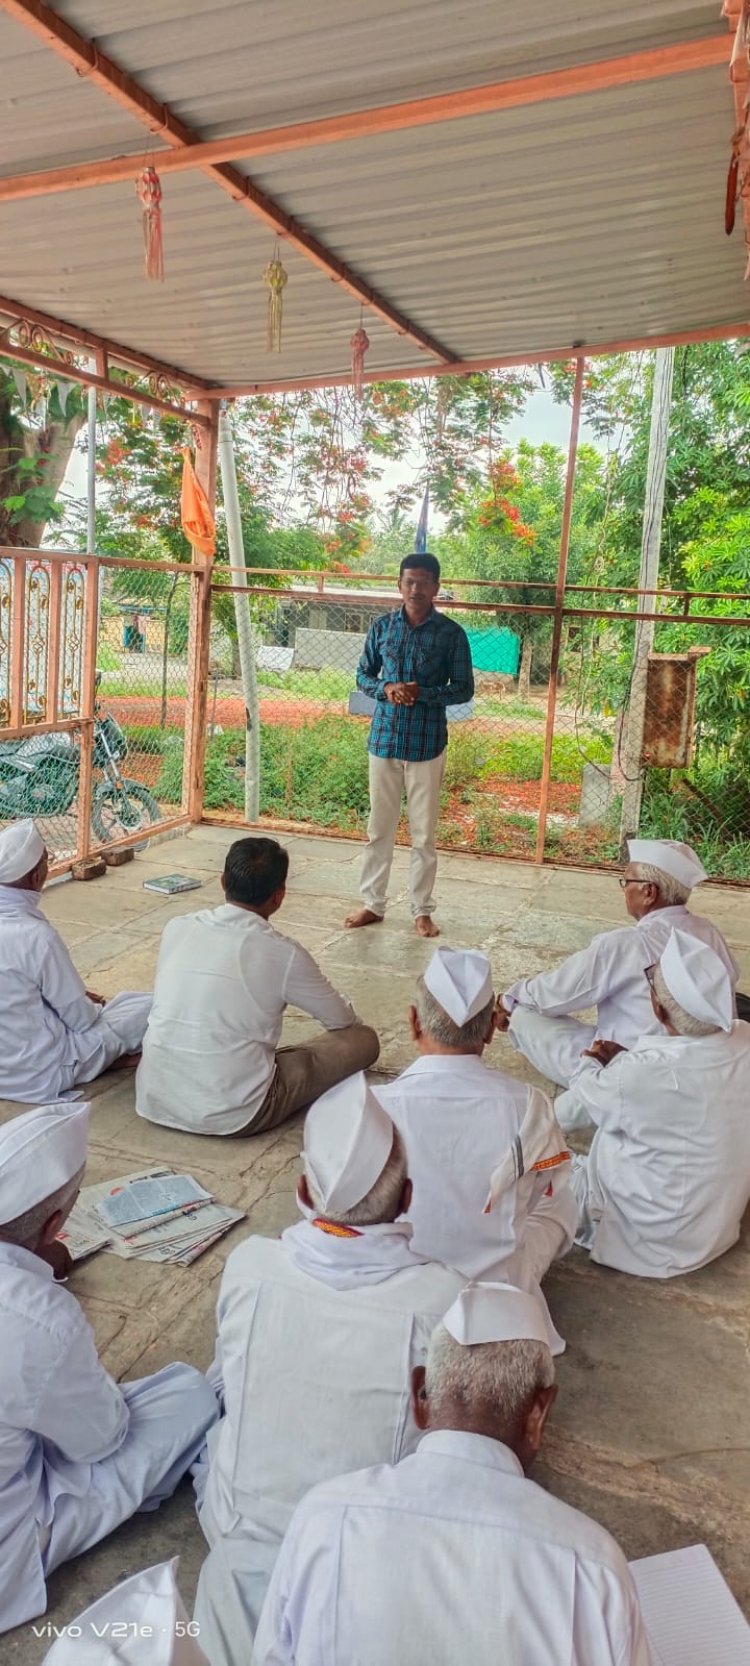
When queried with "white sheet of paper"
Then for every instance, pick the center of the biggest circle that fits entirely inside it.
(691, 1616)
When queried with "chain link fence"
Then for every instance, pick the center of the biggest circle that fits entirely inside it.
(641, 726)
(95, 676)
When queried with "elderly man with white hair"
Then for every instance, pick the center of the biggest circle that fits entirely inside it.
(667, 1179)
(78, 1454)
(454, 1555)
(470, 1130)
(54, 1034)
(608, 974)
(314, 1331)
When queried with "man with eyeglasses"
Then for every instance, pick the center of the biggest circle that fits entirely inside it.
(667, 1179)
(608, 974)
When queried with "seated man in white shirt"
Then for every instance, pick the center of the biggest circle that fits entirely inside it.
(140, 1622)
(667, 1179)
(78, 1454)
(453, 1555)
(608, 974)
(211, 1057)
(469, 1129)
(54, 1035)
(314, 1331)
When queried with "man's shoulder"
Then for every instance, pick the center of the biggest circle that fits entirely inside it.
(561, 1524)
(37, 1307)
(445, 623)
(256, 1253)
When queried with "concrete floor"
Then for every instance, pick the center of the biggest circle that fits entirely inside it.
(651, 1431)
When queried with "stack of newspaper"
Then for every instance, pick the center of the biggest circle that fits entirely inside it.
(155, 1215)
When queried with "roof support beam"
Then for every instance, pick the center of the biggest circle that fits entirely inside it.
(47, 26)
(650, 65)
(15, 311)
(69, 372)
(469, 367)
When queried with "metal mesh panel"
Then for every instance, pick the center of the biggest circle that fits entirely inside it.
(52, 623)
(656, 711)
(142, 697)
(657, 747)
(42, 621)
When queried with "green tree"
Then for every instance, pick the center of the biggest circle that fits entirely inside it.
(510, 534)
(40, 415)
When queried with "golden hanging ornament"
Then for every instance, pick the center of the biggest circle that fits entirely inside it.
(359, 345)
(276, 278)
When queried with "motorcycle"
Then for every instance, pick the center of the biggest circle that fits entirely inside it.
(39, 777)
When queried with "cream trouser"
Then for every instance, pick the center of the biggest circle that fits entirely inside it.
(389, 779)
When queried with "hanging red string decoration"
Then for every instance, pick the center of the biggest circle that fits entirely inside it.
(148, 188)
(276, 278)
(359, 344)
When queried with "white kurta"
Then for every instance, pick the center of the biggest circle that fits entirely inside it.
(223, 979)
(608, 975)
(451, 1557)
(458, 1119)
(317, 1336)
(51, 1035)
(78, 1455)
(667, 1179)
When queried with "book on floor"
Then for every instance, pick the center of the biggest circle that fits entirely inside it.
(170, 884)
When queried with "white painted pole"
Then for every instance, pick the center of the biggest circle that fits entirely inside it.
(653, 511)
(245, 641)
(91, 476)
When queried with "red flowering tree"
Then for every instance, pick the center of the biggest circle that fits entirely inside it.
(510, 534)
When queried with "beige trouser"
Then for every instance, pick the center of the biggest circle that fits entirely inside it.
(389, 779)
(304, 1072)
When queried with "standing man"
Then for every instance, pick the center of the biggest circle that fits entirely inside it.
(415, 663)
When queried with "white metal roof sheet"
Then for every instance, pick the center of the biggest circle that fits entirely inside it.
(582, 220)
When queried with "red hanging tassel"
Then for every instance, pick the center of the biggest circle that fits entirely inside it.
(359, 344)
(148, 187)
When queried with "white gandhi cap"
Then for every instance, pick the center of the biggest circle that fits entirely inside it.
(40, 1151)
(496, 1313)
(673, 857)
(347, 1143)
(698, 980)
(461, 981)
(21, 848)
(148, 1606)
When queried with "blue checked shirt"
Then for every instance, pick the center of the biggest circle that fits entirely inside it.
(435, 655)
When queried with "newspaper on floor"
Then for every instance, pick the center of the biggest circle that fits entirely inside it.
(174, 1232)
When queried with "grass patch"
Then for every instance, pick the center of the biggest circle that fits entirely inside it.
(327, 684)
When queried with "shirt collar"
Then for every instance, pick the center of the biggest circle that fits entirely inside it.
(14, 1256)
(13, 901)
(471, 1449)
(244, 916)
(456, 1064)
(431, 617)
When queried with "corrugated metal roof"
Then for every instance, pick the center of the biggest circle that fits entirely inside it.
(586, 219)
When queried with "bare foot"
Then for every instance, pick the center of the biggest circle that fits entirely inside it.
(362, 917)
(425, 926)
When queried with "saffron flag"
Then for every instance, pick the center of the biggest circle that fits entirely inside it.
(420, 542)
(195, 514)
